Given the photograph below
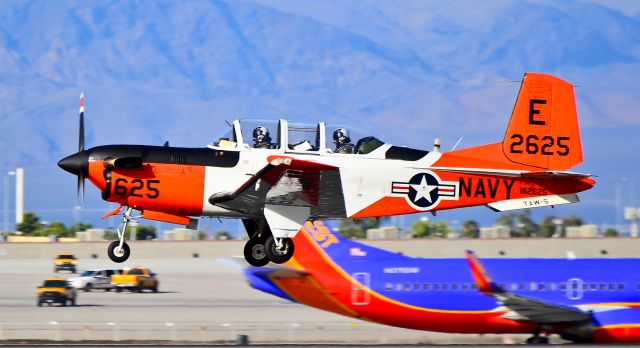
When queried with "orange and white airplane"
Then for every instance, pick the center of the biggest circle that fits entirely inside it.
(276, 175)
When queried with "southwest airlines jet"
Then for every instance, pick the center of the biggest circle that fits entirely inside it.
(582, 300)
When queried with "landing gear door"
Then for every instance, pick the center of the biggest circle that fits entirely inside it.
(359, 295)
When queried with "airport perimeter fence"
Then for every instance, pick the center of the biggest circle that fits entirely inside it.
(270, 331)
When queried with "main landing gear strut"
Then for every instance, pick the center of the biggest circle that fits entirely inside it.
(263, 247)
(118, 249)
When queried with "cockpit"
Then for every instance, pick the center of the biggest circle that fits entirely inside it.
(294, 137)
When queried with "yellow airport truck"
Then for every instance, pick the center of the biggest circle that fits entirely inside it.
(65, 262)
(56, 290)
(135, 279)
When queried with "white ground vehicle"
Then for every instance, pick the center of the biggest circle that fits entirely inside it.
(94, 279)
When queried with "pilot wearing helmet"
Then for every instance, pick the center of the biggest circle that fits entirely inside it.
(261, 138)
(342, 141)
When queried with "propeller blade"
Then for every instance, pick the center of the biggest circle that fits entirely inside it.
(80, 188)
(81, 135)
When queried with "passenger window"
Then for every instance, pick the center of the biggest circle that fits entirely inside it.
(426, 287)
(436, 286)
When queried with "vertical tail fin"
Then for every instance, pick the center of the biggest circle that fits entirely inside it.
(543, 131)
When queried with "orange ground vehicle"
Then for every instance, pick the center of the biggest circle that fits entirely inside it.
(65, 262)
(56, 290)
(135, 279)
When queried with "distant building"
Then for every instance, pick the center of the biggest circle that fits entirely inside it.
(495, 232)
(388, 232)
(584, 231)
(180, 234)
(90, 235)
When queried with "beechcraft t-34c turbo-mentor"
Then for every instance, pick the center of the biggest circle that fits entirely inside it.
(276, 175)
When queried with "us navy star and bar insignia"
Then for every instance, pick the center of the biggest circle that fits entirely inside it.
(425, 190)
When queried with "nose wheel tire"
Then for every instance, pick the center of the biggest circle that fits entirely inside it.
(117, 254)
(254, 252)
(280, 254)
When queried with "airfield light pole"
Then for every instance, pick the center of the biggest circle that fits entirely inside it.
(19, 195)
(632, 214)
(5, 201)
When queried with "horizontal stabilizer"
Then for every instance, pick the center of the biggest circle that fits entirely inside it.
(555, 174)
(533, 202)
(547, 174)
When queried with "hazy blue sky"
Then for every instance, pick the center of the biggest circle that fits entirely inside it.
(408, 70)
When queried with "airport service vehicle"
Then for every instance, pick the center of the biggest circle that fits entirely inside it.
(56, 290)
(135, 279)
(276, 182)
(94, 279)
(65, 262)
(582, 300)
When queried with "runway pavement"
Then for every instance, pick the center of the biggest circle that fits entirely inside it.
(200, 300)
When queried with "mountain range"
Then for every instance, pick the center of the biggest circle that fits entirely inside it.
(409, 71)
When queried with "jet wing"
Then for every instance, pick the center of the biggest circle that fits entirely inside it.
(522, 307)
(287, 181)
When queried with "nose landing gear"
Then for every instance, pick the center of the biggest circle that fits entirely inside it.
(118, 250)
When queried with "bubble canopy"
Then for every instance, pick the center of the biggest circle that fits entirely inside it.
(260, 134)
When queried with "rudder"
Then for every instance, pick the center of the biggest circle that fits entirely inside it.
(543, 131)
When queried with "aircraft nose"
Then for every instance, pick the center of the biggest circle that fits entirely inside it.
(75, 164)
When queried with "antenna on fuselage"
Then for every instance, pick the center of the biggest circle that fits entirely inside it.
(457, 143)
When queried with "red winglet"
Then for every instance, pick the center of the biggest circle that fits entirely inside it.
(483, 281)
(112, 213)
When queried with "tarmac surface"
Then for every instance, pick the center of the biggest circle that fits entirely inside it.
(200, 300)
(207, 300)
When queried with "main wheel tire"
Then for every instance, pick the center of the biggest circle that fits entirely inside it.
(279, 255)
(122, 255)
(254, 252)
(87, 288)
(538, 340)
(73, 301)
(39, 303)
